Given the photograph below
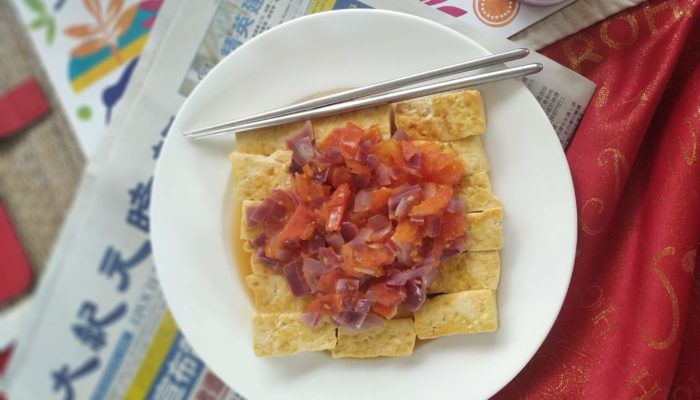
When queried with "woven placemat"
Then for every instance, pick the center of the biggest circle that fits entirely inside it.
(40, 167)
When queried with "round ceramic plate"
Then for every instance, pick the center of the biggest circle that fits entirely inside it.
(326, 52)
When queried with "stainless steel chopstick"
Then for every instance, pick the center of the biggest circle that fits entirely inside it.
(365, 91)
(385, 98)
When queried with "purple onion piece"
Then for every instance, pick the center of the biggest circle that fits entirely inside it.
(372, 321)
(310, 319)
(328, 257)
(349, 231)
(363, 306)
(408, 192)
(415, 296)
(347, 285)
(292, 273)
(433, 226)
(335, 240)
(363, 201)
(302, 145)
(400, 135)
(372, 161)
(351, 319)
(456, 206)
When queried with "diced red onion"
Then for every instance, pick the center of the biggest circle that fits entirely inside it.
(347, 285)
(310, 319)
(259, 241)
(372, 161)
(302, 145)
(335, 239)
(457, 247)
(372, 321)
(312, 270)
(396, 199)
(363, 306)
(316, 243)
(428, 278)
(380, 226)
(351, 319)
(405, 205)
(361, 239)
(433, 226)
(264, 259)
(384, 174)
(295, 279)
(328, 257)
(321, 175)
(456, 206)
(400, 135)
(402, 277)
(403, 251)
(415, 296)
(349, 231)
(363, 201)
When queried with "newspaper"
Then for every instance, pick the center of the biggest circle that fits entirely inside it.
(99, 326)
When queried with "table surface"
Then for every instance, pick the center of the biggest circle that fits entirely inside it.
(40, 167)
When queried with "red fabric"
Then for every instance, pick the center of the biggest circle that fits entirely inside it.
(630, 325)
(15, 272)
(21, 106)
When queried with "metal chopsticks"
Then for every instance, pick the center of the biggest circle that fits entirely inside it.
(378, 94)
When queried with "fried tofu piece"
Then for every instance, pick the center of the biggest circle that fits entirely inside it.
(254, 176)
(271, 295)
(471, 311)
(257, 267)
(285, 334)
(468, 271)
(443, 117)
(485, 230)
(267, 140)
(394, 338)
(472, 153)
(475, 191)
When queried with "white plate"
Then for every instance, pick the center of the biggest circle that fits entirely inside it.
(326, 52)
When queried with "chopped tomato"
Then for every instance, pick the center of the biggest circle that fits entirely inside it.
(433, 205)
(453, 226)
(328, 280)
(350, 142)
(308, 189)
(334, 209)
(380, 199)
(374, 134)
(408, 231)
(366, 259)
(340, 175)
(300, 226)
(327, 304)
(442, 168)
(387, 312)
(387, 295)
(389, 152)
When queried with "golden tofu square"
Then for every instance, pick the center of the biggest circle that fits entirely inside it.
(468, 271)
(471, 152)
(475, 191)
(485, 230)
(267, 140)
(394, 338)
(253, 176)
(271, 295)
(443, 117)
(285, 334)
(258, 267)
(472, 311)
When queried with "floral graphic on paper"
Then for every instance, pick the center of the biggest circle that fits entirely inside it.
(496, 13)
(114, 37)
(451, 10)
(44, 20)
(113, 93)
